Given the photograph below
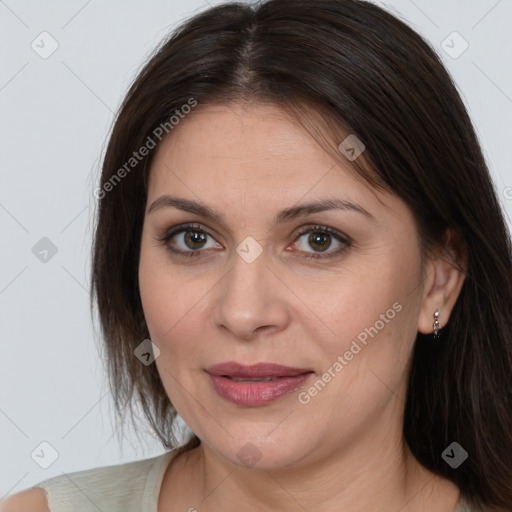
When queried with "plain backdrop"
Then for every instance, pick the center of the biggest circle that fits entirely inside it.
(56, 113)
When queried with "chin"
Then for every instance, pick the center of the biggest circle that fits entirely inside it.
(264, 452)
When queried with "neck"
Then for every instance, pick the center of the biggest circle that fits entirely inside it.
(373, 474)
(368, 470)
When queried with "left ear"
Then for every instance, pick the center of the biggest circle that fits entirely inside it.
(444, 277)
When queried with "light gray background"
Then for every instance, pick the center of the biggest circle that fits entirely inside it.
(55, 116)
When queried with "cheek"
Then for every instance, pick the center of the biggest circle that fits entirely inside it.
(365, 362)
(361, 299)
(166, 309)
(369, 317)
(153, 296)
(160, 292)
(172, 303)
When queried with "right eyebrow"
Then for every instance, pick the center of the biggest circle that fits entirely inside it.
(285, 215)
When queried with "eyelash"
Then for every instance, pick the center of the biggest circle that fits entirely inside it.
(308, 229)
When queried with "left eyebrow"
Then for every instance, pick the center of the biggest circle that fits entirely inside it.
(284, 215)
(322, 205)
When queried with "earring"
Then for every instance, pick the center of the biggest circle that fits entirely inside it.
(437, 325)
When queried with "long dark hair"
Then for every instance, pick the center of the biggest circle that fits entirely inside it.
(358, 70)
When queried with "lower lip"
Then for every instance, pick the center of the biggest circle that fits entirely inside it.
(256, 393)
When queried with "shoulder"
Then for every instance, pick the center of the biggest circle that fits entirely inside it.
(466, 504)
(114, 487)
(30, 500)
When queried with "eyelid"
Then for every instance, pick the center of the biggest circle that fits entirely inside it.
(178, 229)
(345, 240)
(317, 227)
(182, 228)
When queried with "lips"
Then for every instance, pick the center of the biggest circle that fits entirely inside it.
(259, 371)
(257, 384)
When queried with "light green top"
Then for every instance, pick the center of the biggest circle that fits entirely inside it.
(129, 487)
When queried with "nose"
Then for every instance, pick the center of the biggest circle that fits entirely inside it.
(250, 299)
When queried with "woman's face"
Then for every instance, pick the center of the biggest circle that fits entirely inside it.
(241, 286)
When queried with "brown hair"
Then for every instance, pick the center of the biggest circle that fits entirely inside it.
(369, 74)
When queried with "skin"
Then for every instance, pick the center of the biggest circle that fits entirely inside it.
(343, 450)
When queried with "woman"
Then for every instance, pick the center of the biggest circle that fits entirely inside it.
(299, 251)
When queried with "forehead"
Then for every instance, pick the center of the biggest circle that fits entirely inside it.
(240, 142)
(240, 151)
(242, 133)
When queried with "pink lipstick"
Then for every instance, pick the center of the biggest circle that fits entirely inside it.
(257, 384)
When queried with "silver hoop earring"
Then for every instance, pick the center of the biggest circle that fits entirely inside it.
(437, 325)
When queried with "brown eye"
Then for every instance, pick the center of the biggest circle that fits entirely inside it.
(320, 239)
(194, 239)
(188, 240)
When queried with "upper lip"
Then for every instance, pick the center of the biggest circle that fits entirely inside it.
(234, 369)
